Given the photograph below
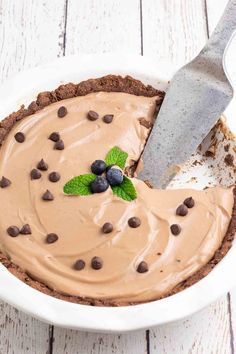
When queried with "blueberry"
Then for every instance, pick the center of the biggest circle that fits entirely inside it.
(114, 176)
(98, 167)
(99, 185)
(109, 167)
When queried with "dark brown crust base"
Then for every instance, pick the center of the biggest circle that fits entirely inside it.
(108, 83)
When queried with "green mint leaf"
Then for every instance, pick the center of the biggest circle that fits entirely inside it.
(79, 185)
(125, 190)
(116, 157)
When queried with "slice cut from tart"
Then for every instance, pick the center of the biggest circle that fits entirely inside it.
(101, 248)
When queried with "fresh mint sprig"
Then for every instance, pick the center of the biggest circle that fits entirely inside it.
(125, 190)
(116, 157)
(80, 185)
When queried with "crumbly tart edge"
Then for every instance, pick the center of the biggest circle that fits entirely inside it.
(109, 83)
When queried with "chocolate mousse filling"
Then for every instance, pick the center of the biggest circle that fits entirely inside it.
(46, 181)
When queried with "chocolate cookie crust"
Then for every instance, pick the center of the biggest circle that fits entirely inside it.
(108, 83)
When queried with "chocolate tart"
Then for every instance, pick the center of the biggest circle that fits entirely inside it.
(143, 123)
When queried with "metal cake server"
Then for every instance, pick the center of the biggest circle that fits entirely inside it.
(198, 94)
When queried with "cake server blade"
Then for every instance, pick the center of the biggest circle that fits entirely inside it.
(198, 94)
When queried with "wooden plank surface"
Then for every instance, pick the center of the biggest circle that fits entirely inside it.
(232, 298)
(103, 26)
(173, 30)
(205, 332)
(20, 333)
(68, 342)
(33, 32)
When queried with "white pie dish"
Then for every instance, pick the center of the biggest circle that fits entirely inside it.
(22, 90)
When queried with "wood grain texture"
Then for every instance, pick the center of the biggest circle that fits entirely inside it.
(205, 332)
(20, 333)
(31, 33)
(68, 342)
(103, 26)
(232, 305)
(173, 30)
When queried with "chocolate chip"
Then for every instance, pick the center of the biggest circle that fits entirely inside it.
(79, 265)
(175, 229)
(13, 231)
(4, 182)
(59, 145)
(25, 230)
(108, 118)
(20, 137)
(189, 202)
(35, 174)
(42, 165)
(134, 222)
(142, 267)
(51, 238)
(54, 136)
(107, 228)
(92, 115)
(96, 263)
(47, 196)
(182, 210)
(62, 112)
(54, 177)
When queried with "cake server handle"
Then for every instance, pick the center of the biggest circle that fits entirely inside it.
(223, 33)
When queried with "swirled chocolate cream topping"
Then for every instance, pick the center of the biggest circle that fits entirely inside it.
(100, 241)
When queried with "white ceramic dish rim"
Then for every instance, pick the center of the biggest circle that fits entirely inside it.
(104, 319)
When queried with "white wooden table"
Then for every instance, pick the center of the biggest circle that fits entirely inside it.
(33, 32)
